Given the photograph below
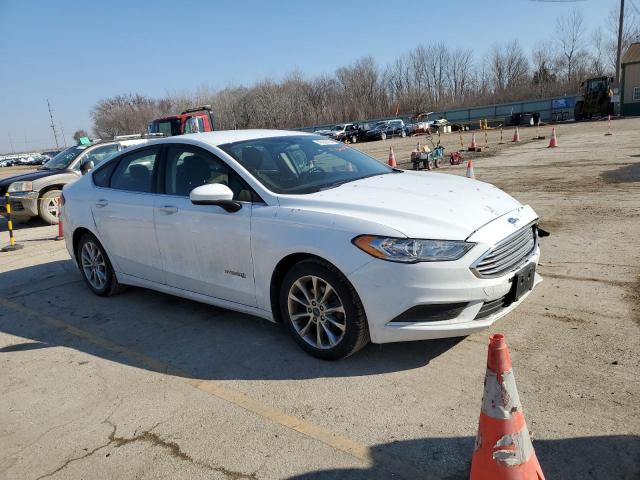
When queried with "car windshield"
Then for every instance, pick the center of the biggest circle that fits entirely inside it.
(64, 158)
(303, 164)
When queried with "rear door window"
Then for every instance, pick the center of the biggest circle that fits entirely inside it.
(135, 172)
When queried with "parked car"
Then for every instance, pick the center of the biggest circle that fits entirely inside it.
(386, 129)
(36, 193)
(7, 162)
(347, 132)
(301, 229)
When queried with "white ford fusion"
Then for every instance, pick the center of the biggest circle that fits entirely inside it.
(303, 230)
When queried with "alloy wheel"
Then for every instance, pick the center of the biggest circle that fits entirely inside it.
(93, 265)
(316, 312)
(52, 206)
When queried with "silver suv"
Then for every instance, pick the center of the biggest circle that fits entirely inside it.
(36, 193)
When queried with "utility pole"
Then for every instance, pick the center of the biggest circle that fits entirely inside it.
(11, 142)
(64, 137)
(53, 126)
(619, 52)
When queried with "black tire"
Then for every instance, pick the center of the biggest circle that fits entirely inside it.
(577, 111)
(403, 134)
(111, 285)
(354, 139)
(47, 204)
(356, 331)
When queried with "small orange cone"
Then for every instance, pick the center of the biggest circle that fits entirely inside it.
(516, 135)
(503, 449)
(470, 173)
(554, 141)
(474, 145)
(392, 158)
(60, 228)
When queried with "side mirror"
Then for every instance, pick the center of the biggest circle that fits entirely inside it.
(215, 194)
(191, 125)
(86, 167)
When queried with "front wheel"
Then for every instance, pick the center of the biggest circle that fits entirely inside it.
(48, 208)
(403, 134)
(383, 136)
(95, 266)
(322, 311)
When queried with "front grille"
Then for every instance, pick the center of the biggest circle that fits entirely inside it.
(507, 255)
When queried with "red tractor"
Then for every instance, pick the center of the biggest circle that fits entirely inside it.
(193, 120)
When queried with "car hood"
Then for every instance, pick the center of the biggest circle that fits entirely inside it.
(27, 177)
(416, 204)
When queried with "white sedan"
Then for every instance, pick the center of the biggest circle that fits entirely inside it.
(303, 230)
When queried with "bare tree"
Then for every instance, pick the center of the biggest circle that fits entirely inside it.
(460, 73)
(122, 114)
(570, 33)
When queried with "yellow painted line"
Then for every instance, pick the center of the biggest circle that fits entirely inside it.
(211, 387)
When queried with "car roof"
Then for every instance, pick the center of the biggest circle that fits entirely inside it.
(221, 137)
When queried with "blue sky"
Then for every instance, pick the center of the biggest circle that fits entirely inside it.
(77, 52)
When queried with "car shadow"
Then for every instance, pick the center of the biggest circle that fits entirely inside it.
(22, 223)
(198, 340)
(615, 457)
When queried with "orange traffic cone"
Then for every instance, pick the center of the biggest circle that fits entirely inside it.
(474, 145)
(516, 135)
(392, 158)
(470, 173)
(554, 141)
(60, 228)
(503, 449)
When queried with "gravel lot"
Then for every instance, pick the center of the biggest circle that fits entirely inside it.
(145, 385)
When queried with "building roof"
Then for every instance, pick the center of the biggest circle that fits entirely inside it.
(632, 54)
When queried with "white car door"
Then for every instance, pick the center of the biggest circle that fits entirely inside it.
(123, 210)
(204, 248)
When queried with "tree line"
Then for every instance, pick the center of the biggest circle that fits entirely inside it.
(431, 77)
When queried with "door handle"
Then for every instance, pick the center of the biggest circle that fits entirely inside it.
(168, 209)
(102, 203)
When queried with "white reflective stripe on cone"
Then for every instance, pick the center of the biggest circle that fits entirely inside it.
(500, 400)
(519, 448)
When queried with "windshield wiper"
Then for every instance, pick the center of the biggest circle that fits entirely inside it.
(342, 182)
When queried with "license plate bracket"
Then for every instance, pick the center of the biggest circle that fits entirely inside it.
(523, 282)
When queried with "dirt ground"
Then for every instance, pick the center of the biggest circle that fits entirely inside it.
(145, 385)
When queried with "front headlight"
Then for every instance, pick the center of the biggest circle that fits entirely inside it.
(20, 187)
(412, 250)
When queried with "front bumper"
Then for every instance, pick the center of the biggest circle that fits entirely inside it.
(23, 204)
(389, 290)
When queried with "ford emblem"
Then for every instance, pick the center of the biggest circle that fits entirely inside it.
(512, 220)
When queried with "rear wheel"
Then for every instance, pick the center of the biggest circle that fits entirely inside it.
(323, 311)
(95, 267)
(577, 111)
(354, 139)
(48, 206)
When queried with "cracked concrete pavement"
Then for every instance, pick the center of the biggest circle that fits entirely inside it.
(145, 385)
